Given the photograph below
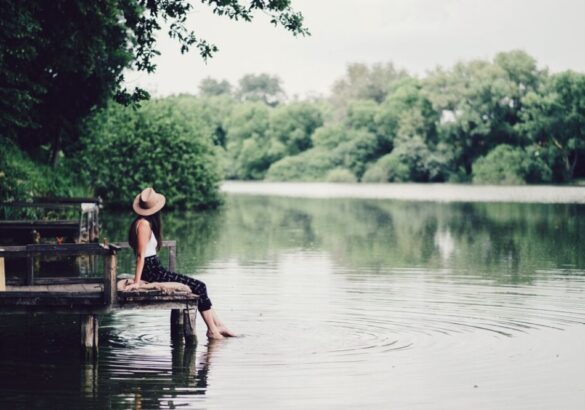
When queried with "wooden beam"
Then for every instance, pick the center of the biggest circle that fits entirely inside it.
(89, 334)
(189, 316)
(176, 326)
(110, 280)
(30, 270)
(2, 276)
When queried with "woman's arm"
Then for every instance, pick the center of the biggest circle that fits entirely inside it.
(143, 236)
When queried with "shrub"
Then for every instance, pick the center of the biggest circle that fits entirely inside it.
(310, 165)
(412, 160)
(388, 168)
(340, 175)
(511, 165)
(22, 179)
(161, 144)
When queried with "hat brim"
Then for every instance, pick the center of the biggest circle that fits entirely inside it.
(161, 200)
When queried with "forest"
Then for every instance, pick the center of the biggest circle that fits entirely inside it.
(504, 121)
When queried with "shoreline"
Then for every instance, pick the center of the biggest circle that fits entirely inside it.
(438, 192)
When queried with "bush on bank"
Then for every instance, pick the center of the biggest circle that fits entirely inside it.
(512, 166)
(162, 144)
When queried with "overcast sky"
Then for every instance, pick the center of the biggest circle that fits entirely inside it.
(416, 35)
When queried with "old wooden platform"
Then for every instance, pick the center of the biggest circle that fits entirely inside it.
(81, 230)
(90, 297)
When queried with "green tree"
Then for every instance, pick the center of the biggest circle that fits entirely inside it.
(554, 118)
(479, 103)
(293, 125)
(510, 165)
(160, 144)
(363, 82)
(406, 112)
(261, 87)
(210, 87)
(251, 150)
(62, 59)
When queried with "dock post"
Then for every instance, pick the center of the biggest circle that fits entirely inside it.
(2, 276)
(176, 326)
(110, 285)
(89, 335)
(189, 316)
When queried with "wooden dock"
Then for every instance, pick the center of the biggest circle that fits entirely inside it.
(83, 229)
(90, 297)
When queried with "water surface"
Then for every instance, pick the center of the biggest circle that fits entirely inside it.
(342, 303)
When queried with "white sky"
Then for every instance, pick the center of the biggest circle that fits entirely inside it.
(414, 34)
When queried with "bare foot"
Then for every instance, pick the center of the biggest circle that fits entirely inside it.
(226, 332)
(215, 336)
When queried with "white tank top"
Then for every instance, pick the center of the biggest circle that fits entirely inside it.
(151, 245)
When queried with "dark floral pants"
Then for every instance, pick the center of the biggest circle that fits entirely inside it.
(154, 272)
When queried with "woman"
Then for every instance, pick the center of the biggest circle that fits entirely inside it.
(145, 237)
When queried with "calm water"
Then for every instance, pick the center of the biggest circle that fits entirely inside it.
(342, 303)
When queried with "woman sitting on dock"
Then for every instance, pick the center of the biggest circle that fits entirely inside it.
(145, 238)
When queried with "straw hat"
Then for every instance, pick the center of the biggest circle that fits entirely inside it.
(148, 202)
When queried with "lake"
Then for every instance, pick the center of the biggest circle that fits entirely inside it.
(364, 302)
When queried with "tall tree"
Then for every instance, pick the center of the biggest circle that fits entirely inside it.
(554, 118)
(261, 87)
(210, 87)
(363, 82)
(61, 59)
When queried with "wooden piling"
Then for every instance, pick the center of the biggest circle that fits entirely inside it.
(30, 270)
(2, 276)
(110, 285)
(189, 316)
(177, 326)
(89, 334)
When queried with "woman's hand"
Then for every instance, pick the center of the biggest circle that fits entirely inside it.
(132, 286)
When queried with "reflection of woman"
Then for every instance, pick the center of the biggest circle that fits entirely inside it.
(145, 237)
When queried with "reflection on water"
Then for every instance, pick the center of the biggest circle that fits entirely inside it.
(342, 303)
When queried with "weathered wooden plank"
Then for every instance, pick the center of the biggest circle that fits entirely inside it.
(77, 287)
(156, 298)
(2, 276)
(30, 270)
(63, 249)
(66, 281)
(110, 280)
(89, 334)
(176, 325)
(126, 245)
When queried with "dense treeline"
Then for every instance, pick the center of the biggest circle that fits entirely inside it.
(500, 121)
(63, 61)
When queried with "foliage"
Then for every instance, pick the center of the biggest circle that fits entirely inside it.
(209, 87)
(366, 83)
(511, 165)
(479, 103)
(60, 60)
(23, 179)
(410, 161)
(261, 87)
(160, 145)
(293, 124)
(310, 165)
(340, 175)
(554, 117)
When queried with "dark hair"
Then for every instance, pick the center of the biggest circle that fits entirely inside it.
(155, 225)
